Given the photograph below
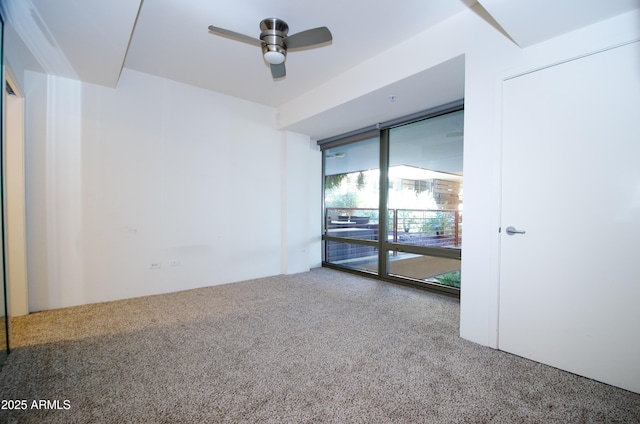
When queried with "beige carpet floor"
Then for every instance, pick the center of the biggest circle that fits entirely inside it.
(321, 346)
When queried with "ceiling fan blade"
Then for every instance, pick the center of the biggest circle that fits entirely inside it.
(308, 38)
(278, 71)
(235, 35)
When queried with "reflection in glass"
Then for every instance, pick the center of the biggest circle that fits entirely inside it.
(351, 255)
(429, 269)
(352, 175)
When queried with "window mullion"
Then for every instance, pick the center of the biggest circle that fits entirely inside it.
(383, 221)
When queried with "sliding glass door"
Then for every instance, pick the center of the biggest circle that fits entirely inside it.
(393, 201)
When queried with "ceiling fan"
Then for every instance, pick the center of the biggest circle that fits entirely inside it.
(275, 42)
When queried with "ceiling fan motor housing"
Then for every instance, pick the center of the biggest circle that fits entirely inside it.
(274, 31)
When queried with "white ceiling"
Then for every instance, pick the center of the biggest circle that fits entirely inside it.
(530, 22)
(169, 38)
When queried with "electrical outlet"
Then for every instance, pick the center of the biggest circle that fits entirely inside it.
(175, 262)
(155, 265)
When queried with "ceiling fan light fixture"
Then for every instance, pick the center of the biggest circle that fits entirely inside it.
(273, 57)
(274, 40)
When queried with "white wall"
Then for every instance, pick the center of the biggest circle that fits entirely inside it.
(156, 172)
(16, 250)
(302, 215)
(315, 188)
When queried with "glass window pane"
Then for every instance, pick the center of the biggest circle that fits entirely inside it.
(350, 255)
(352, 190)
(351, 200)
(425, 182)
(430, 269)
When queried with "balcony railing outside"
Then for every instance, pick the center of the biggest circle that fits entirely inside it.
(426, 227)
(422, 227)
(357, 223)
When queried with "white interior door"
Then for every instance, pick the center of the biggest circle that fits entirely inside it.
(570, 285)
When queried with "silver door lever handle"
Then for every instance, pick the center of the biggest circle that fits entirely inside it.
(511, 231)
